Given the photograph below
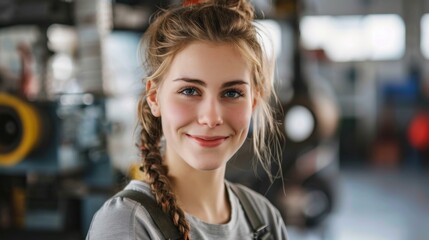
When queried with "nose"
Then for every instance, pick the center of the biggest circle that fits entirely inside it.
(210, 113)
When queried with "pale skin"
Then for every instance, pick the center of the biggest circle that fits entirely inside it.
(205, 102)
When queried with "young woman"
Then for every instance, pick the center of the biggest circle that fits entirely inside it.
(208, 77)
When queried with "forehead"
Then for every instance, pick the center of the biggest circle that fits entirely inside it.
(209, 62)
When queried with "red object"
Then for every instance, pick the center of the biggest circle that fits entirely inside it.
(418, 131)
(26, 72)
(191, 2)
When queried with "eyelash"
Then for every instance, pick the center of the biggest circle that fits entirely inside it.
(182, 91)
(238, 93)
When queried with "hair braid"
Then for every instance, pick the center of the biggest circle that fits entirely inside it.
(150, 137)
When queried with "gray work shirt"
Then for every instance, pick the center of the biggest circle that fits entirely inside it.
(122, 218)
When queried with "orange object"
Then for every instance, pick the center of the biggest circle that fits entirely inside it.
(191, 2)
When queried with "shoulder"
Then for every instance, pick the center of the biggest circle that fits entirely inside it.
(265, 209)
(254, 197)
(122, 218)
(114, 220)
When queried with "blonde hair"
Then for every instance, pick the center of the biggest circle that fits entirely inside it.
(218, 21)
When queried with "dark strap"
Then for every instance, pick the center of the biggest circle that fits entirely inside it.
(161, 219)
(170, 231)
(260, 230)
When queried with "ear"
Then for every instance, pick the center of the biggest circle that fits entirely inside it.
(152, 99)
(254, 103)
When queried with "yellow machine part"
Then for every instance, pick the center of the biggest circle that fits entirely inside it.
(135, 173)
(30, 129)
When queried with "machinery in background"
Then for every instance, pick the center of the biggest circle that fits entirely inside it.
(41, 136)
(52, 155)
(55, 171)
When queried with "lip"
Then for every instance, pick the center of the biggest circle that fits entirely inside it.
(208, 141)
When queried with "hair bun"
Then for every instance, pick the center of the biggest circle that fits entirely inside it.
(242, 6)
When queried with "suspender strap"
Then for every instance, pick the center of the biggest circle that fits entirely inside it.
(170, 231)
(260, 230)
(161, 219)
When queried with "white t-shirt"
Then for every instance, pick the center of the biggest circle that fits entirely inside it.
(123, 218)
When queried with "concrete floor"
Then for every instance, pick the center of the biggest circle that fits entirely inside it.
(376, 205)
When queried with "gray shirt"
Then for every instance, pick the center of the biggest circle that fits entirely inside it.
(122, 218)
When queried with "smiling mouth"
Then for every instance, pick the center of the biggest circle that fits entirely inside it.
(208, 141)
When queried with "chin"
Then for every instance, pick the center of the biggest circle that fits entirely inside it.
(207, 166)
(207, 163)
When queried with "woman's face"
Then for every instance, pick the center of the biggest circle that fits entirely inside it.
(205, 103)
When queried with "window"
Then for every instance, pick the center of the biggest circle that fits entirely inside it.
(355, 38)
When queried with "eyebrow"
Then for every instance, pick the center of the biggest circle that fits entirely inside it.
(202, 83)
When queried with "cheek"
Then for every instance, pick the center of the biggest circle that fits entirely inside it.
(175, 112)
(240, 116)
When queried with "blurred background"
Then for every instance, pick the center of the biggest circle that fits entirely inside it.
(353, 83)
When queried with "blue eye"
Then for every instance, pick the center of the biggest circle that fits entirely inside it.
(189, 92)
(232, 94)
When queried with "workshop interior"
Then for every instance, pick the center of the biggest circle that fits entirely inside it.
(352, 80)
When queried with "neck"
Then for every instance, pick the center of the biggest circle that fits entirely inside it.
(201, 193)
